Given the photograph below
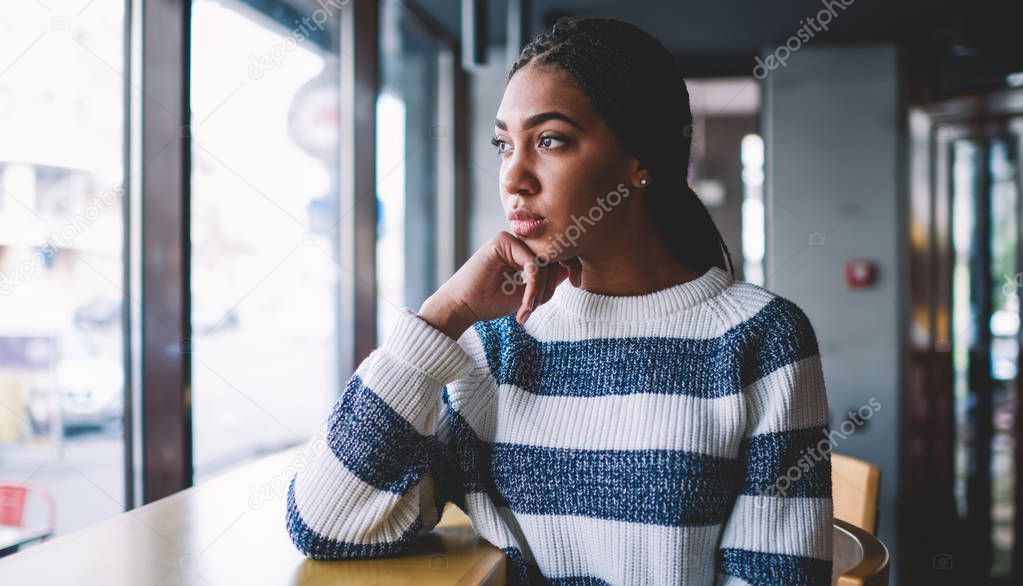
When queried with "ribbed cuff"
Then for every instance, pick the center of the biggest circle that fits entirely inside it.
(414, 341)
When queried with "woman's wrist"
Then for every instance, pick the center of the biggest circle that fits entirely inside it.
(445, 315)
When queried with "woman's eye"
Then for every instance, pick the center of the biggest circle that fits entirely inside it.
(545, 142)
(499, 144)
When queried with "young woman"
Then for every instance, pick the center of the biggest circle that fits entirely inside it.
(600, 395)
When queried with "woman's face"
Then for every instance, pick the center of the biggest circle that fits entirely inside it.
(562, 164)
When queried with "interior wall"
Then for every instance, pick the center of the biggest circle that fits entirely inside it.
(832, 146)
(486, 88)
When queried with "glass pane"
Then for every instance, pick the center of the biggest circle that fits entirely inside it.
(407, 165)
(1004, 324)
(62, 114)
(264, 228)
(965, 186)
(753, 216)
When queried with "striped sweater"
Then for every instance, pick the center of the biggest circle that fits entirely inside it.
(675, 437)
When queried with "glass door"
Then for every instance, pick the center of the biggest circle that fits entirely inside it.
(985, 311)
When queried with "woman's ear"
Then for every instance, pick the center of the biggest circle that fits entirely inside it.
(639, 176)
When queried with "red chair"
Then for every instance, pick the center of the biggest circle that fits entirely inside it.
(13, 498)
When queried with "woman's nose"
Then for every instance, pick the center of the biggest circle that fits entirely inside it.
(517, 177)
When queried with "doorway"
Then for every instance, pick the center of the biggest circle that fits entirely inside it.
(961, 472)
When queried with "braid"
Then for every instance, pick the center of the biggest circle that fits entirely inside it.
(633, 82)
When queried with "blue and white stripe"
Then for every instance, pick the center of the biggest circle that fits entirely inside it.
(640, 456)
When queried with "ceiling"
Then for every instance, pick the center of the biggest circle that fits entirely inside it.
(952, 46)
(689, 26)
(721, 37)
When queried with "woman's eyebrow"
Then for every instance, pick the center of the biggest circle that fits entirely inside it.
(539, 119)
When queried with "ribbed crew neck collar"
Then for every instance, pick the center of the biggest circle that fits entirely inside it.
(619, 308)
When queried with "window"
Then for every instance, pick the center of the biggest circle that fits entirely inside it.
(415, 164)
(62, 82)
(264, 237)
(753, 217)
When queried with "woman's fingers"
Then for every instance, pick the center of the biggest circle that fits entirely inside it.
(529, 271)
(545, 286)
(516, 254)
(539, 277)
(548, 277)
(552, 280)
(541, 286)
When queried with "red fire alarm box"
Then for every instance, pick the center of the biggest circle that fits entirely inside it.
(860, 273)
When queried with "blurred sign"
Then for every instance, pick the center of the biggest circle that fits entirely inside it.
(315, 114)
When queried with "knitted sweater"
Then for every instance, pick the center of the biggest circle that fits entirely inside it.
(667, 438)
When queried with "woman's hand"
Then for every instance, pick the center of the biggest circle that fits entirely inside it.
(501, 276)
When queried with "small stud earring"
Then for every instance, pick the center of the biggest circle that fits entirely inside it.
(643, 181)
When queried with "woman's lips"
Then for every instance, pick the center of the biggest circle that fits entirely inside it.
(525, 223)
(528, 228)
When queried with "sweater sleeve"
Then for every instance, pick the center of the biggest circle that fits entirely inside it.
(780, 529)
(378, 474)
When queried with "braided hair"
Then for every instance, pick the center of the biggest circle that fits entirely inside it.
(634, 84)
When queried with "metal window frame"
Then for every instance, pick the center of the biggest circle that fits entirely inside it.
(452, 177)
(158, 422)
(360, 82)
(157, 256)
(164, 255)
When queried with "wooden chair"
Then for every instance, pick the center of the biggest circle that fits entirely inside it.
(859, 558)
(855, 487)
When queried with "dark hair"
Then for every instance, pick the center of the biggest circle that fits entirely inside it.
(633, 82)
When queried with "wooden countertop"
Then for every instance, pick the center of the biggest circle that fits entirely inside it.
(231, 530)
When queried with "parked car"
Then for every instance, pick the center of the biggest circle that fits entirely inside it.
(89, 382)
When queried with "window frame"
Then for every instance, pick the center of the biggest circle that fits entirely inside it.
(157, 306)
